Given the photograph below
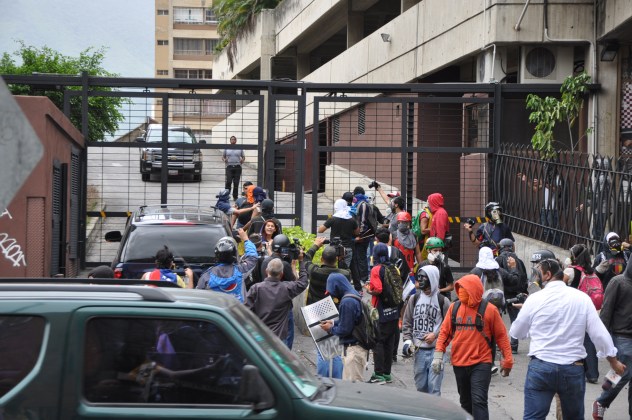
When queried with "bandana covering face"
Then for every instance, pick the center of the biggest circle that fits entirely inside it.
(464, 297)
(405, 236)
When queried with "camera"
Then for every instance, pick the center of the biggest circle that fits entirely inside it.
(294, 250)
(470, 221)
(336, 243)
(374, 184)
(520, 298)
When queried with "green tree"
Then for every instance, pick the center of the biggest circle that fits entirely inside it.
(236, 18)
(548, 111)
(104, 113)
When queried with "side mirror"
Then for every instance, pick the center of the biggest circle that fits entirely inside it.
(113, 236)
(140, 139)
(202, 141)
(252, 389)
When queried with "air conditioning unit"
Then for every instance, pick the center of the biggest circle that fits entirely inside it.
(545, 64)
(491, 70)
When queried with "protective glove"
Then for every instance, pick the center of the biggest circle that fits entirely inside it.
(602, 267)
(437, 362)
(408, 348)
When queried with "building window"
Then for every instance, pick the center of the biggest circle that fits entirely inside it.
(162, 72)
(210, 45)
(193, 74)
(361, 119)
(202, 108)
(210, 16)
(163, 12)
(188, 15)
(163, 42)
(188, 46)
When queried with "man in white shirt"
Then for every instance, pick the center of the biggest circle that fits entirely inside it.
(556, 319)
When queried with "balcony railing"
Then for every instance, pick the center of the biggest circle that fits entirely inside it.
(572, 198)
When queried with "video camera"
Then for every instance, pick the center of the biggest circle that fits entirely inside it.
(336, 242)
(470, 221)
(520, 298)
(374, 184)
(294, 250)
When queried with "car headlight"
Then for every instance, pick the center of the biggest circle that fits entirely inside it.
(197, 157)
(148, 155)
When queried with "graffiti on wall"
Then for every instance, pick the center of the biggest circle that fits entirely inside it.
(9, 247)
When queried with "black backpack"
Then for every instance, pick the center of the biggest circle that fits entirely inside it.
(479, 323)
(367, 331)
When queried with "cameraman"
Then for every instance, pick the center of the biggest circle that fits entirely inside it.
(317, 275)
(283, 249)
(342, 226)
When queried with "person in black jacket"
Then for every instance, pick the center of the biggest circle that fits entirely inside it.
(616, 315)
(517, 282)
(613, 259)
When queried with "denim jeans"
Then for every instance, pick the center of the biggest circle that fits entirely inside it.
(322, 366)
(289, 340)
(550, 218)
(425, 379)
(544, 380)
(472, 382)
(624, 354)
(592, 366)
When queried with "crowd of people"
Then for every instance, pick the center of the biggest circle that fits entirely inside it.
(573, 308)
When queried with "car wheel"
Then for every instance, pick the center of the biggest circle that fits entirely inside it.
(145, 177)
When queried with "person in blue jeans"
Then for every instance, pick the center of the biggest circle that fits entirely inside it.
(616, 315)
(422, 320)
(556, 319)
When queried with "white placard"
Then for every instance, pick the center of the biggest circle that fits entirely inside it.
(328, 344)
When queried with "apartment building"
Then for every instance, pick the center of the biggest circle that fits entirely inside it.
(186, 37)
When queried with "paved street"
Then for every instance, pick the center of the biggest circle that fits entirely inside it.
(505, 394)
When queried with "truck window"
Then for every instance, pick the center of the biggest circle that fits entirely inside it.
(20, 346)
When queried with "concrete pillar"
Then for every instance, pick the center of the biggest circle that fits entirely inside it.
(355, 26)
(608, 109)
(268, 43)
(302, 66)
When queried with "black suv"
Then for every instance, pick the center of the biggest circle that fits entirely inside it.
(182, 161)
(190, 232)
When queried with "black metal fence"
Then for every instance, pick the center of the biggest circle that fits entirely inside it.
(568, 199)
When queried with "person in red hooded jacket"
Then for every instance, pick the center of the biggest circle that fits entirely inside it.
(439, 226)
(471, 349)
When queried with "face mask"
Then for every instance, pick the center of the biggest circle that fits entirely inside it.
(464, 297)
(615, 246)
(496, 216)
(435, 256)
(403, 227)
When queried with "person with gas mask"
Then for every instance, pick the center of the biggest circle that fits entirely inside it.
(406, 241)
(490, 233)
(421, 323)
(436, 257)
(534, 279)
(556, 320)
(517, 282)
(613, 259)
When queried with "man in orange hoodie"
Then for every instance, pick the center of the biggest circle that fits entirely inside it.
(471, 348)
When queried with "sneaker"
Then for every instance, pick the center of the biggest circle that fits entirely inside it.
(598, 411)
(494, 370)
(388, 378)
(377, 379)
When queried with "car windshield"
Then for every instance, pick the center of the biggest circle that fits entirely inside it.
(278, 352)
(176, 135)
(192, 243)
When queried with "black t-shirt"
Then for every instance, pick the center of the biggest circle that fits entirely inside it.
(245, 217)
(342, 228)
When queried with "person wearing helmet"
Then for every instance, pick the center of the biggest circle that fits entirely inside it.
(536, 257)
(436, 257)
(228, 275)
(614, 258)
(406, 241)
(517, 282)
(491, 232)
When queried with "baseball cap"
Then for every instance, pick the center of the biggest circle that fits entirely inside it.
(393, 194)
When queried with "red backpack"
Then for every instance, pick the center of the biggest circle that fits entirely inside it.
(591, 285)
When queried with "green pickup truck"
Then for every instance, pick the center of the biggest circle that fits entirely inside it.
(79, 351)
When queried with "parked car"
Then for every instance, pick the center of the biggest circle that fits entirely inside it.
(78, 351)
(190, 232)
(181, 161)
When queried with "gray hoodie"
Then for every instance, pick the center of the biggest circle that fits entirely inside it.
(616, 312)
